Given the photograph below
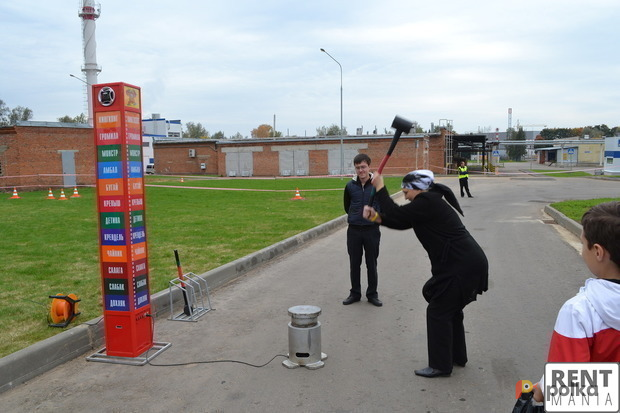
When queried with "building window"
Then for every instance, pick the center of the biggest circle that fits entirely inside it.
(174, 134)
(146, 144)
(1, 174)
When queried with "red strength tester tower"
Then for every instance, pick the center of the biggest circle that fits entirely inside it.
(122, 222)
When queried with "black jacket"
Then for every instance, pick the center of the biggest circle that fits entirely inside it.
(454, 253)
(355, 197)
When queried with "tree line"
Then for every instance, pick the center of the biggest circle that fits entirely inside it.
(516, 152)
(594, 132)
(9, 117)
(264, 131)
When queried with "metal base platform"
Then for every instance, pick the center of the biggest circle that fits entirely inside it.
(310, 366)
(141, 360)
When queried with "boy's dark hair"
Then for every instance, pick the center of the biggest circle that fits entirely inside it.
(361, 157)
(601, 225)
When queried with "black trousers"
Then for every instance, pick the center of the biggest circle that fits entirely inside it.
(445, 329)
(464, 184)
(363, 241)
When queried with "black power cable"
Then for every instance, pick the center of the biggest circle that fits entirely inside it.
(204, 361)
(216, 361)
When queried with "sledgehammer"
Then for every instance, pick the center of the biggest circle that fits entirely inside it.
(187, 309)
(401, 125)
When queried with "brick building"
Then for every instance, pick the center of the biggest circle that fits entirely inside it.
(36, 155)
(46, 154)
(316, 156)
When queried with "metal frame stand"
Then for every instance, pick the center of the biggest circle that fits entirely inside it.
(141, 360)
(195, 289)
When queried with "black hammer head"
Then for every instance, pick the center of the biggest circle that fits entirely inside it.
(402, 124)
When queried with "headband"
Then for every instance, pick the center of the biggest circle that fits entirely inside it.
(422, 179)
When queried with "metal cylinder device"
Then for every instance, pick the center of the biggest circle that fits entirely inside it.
(304, 338)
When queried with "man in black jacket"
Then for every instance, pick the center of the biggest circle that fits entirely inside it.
(363, 237)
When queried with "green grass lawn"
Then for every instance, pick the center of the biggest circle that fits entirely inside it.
(51, 247)
(575, 209)
(561, 173)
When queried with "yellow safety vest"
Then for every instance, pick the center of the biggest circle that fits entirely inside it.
(463, 172)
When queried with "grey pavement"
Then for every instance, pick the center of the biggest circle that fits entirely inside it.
(372, 352)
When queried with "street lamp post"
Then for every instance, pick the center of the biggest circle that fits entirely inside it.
(341, 127)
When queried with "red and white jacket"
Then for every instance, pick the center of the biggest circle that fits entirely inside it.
(588, 325)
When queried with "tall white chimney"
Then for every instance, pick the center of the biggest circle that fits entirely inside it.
(89, 12)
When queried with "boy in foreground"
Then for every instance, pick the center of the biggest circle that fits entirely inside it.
(587, 328)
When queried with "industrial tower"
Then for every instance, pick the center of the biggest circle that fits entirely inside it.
(509, 120)
(89, 12)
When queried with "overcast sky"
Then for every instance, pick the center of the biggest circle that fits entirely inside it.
(233, 65)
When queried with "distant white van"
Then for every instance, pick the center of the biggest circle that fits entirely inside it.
(150, 169)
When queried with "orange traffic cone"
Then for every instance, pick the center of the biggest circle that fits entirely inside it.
(50, 195)
(76, 194)
(15, 196)
(297, 196)
(62, 195)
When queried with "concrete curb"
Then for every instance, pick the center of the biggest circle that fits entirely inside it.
(24, 365)
(563, 220)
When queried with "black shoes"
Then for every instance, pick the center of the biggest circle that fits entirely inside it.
(375, 301)
(431, 372)
(351, 299)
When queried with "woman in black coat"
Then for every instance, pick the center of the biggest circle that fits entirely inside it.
(459, 267)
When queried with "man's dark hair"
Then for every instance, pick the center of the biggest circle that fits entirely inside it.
(361, 157)
(601, 225)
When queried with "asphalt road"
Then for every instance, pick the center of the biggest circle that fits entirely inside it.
(372, 352)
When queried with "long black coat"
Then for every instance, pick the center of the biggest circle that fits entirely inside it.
(454, 253)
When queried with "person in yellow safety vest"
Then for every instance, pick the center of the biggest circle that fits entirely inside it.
(463, 179)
